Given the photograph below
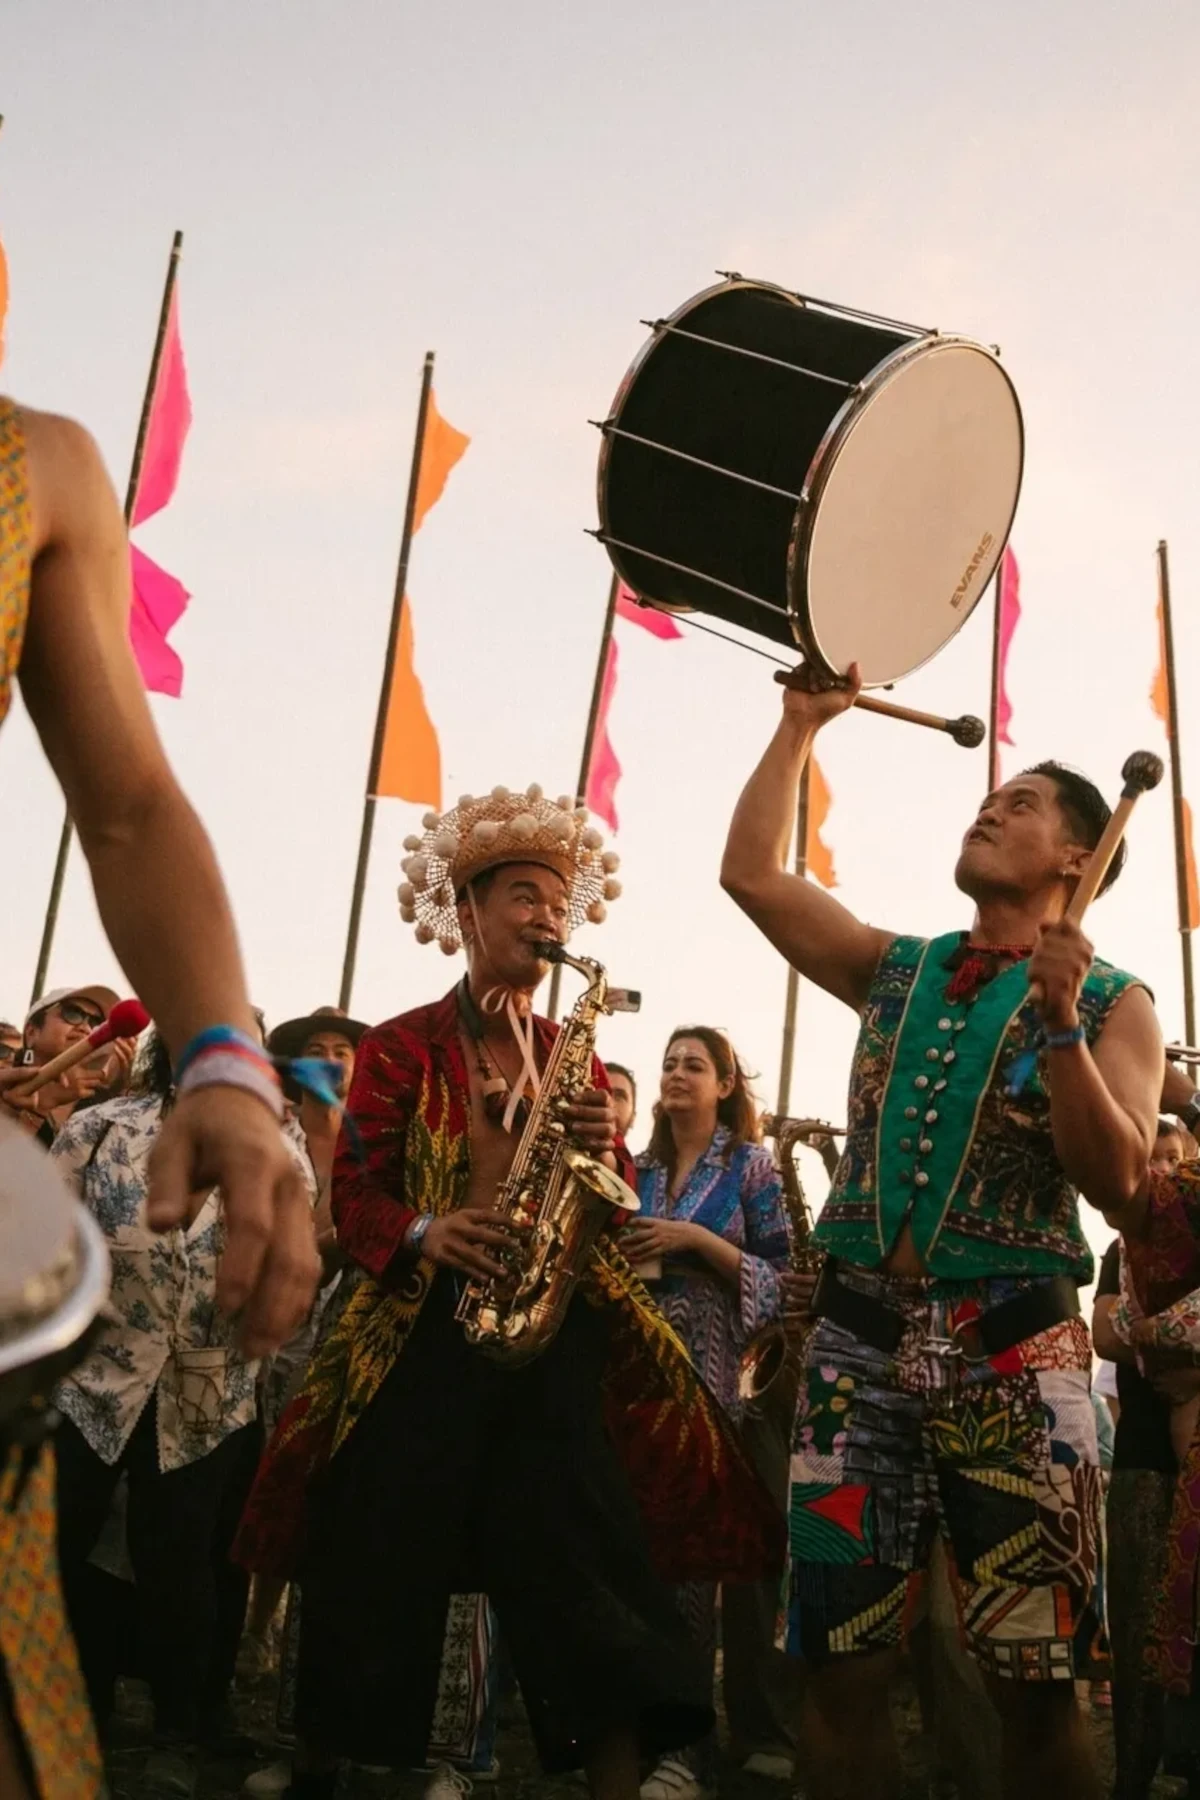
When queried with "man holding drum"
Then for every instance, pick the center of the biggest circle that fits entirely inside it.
(999, 1073)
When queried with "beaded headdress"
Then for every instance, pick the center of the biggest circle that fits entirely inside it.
(503, 827)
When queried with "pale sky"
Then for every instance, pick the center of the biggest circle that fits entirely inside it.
(514, 187)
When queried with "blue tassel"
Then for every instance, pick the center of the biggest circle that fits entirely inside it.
(312, 1075)
(1020, 1069)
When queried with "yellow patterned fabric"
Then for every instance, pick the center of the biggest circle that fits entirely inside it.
(14, 549)
(40, 1660)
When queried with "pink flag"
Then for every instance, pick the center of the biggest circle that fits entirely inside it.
(158, 602)
(658, 624)
(1010, 612)
(604, 771)
(167, 429)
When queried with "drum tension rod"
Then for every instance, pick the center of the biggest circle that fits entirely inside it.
(776, 362)
(834, 308)
(603, 537)
(608, 429)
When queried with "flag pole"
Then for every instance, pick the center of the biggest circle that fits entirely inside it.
(994, 709)
(589, 745)
(790, 1005)
(389, 669)
(67, 834)
(1177, 802)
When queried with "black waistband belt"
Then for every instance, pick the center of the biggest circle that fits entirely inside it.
(996, 1330)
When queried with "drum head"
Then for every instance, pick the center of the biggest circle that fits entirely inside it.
(908, 507)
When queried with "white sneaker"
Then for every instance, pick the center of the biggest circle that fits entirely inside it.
(446, 1783)
(772, 1767)
(265, 1783)
(673, 1780)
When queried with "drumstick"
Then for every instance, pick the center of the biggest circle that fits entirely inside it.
(967, 731)
(127, 1019)
(1142, 772)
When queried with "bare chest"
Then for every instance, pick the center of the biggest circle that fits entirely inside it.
(492, 1148)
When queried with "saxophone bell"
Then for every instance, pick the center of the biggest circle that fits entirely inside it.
(772, 1352)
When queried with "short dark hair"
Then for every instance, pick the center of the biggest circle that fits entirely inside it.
(1168, 1128)
(612, 1068)
(1085, 809)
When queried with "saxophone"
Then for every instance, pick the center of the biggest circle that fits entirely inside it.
(770, 1352)
(560, 1195)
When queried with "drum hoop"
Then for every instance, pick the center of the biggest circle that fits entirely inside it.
(825, 461)
(72, 1316)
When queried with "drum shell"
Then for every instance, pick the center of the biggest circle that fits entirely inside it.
(747, 416)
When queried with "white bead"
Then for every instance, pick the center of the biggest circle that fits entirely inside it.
(418, 868)
(425, 934)
(500, 793)
(412, 843)
(406, 893)
(591, 839)
(581, 813)
(408, 914)
(465, 800)
(431, 821)
(524, 826)
(610, 862)
(612, 889)
(597, 912)
(445, 845)
(533, 791)
(566, 803)
(447, 946)
(563, 827)
(486, 830)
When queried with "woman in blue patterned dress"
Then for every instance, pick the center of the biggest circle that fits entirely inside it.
(713, 1222)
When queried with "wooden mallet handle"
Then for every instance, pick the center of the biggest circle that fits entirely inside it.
(1142, 771)
(128, 1018)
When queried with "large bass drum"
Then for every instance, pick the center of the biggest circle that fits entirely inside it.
(819, 476)
(53, 1283)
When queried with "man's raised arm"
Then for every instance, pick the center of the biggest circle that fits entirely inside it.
(827, 944)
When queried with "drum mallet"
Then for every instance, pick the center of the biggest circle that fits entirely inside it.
(127, 1019)
(1142, 772)
(967, 731)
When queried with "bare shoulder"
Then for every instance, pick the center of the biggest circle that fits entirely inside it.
(1133, 1022)
(68, 482)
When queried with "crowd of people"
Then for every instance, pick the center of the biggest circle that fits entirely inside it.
(353, 1413)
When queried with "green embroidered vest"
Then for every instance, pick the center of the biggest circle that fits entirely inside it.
(935, 1140)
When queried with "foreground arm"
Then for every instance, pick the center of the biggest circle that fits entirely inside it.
(820, 938)
(156, 880)
(1103, 1102)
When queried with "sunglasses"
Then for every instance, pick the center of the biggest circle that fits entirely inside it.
(72, 1013)
(8, 1055)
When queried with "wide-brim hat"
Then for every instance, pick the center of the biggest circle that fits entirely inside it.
(290, 1038)
(503, 827)
(104, 997)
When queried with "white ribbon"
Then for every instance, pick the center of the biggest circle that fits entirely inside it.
(521, 1026)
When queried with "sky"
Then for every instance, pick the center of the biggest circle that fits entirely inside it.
(515, 187)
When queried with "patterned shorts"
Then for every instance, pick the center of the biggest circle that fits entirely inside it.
(999, 1457)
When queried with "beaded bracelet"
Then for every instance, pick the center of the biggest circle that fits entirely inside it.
(1063, 1040)
(414, 1237)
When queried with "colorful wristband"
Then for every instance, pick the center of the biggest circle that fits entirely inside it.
(217, 1037)
(234, 1068)
(1064, 1040)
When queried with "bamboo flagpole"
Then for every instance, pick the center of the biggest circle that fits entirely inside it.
(791, 1001)
(67, 834)
(589, 745)
(1178, 804)
(389, 669)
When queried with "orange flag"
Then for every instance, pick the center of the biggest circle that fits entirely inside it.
(1160, 694)
(410, 767)
(410, 764)
(1193, 892)
(441, 448)
(818, 854)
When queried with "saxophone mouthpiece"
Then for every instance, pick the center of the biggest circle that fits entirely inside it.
(550, 952)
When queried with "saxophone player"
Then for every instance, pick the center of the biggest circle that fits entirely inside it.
(571, 1489)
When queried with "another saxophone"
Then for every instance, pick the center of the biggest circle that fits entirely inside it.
(770, 1352)
(561, 1195)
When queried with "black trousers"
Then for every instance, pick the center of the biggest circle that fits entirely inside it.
(462, 1476)
(184, 1622)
